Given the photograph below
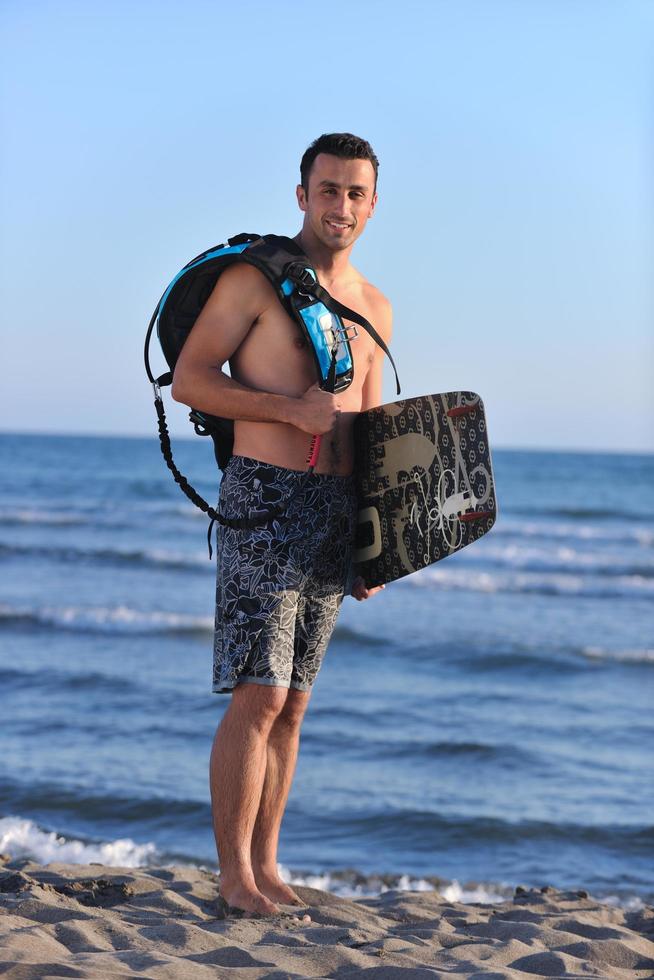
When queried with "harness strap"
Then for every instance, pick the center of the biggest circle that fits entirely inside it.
(347, 314)
(298, 274)
(146, 352)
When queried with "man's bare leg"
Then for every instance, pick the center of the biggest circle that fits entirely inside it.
(237, 772)
(281, 757)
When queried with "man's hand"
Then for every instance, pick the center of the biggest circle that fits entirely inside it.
(360, 591)
(317, 411)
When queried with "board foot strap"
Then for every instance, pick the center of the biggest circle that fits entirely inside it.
(454, 413)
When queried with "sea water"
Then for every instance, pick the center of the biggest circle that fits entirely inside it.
(484, 723)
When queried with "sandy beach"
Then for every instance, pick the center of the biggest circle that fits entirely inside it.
(89, 921)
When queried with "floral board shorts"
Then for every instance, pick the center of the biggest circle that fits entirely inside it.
(280, 584)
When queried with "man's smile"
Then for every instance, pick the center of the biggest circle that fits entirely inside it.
(337, 225)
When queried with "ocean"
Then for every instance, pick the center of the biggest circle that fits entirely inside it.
(483, 724)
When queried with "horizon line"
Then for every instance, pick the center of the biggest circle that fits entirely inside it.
(607, 451)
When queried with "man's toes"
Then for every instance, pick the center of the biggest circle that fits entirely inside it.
(245, 905)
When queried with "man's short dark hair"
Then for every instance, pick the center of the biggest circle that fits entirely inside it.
(343, 145)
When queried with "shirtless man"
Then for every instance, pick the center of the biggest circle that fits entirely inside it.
(280, 586)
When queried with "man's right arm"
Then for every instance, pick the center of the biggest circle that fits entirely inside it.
(238, 299)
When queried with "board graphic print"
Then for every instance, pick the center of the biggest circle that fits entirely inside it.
(424, 480)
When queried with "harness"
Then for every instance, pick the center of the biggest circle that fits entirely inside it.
(320, 317)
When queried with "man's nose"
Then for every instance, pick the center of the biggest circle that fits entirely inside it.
(342, 204)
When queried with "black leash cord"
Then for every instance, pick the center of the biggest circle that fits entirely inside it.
(179, 478)
(237, 523)
(240, 523)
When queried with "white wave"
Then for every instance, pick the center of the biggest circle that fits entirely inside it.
(559, 555)
(32, 516)
(116, 619)
(105, 513)
(22, 838)
(632, 903)
(373, 886)
(163, 508)
(455, 892)
(177, 558)
(629, 656)
(156, 556)
(632, 586)
(586, 532)
(184, 510)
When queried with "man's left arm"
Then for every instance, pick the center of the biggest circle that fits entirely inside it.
(371, 396)
(372, 386)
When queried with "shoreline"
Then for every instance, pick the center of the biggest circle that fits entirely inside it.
(94, 921)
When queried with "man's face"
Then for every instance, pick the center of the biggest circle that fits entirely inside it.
(340, 199)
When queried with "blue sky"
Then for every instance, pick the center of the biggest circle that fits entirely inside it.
(514, 230)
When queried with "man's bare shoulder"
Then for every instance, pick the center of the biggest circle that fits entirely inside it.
(242, 279)
(379, 306)
(240, 298)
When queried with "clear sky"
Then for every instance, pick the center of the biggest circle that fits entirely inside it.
(513, 235)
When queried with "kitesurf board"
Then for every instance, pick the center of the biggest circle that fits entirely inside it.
(424, 481)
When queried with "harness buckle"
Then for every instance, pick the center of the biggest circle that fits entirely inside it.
(342, 335)
(302, 277)
(199, 423)
(157, 391)
(349, 333)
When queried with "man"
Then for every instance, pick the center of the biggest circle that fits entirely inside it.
(280, 586)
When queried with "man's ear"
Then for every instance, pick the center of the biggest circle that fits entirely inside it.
(301, 195)
(373, 205)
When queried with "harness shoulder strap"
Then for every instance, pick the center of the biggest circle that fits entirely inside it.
(347, 314)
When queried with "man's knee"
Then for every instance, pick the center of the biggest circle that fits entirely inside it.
(258, 704)
(293, 710)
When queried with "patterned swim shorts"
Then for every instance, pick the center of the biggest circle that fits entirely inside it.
(280, 584)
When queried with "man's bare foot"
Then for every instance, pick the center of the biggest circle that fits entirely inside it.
(241, 902)
(272, 886)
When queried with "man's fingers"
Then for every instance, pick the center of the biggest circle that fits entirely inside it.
(360, 591)
(319, 410)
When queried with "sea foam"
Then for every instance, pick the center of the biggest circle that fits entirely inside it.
(105, 619)
(538, 583)
(21, 838)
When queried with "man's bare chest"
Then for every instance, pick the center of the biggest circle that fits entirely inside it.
(275, 341)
